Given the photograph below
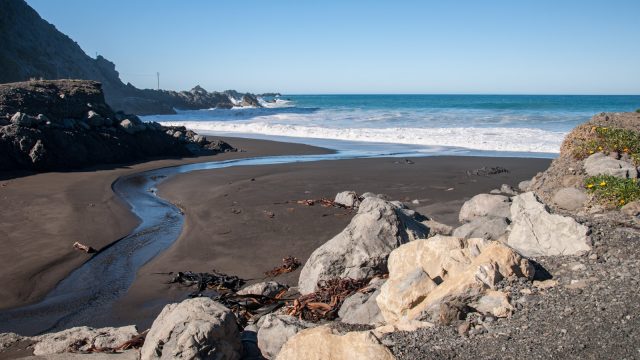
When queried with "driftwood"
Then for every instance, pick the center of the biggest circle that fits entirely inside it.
(289, 264)
(83, 247)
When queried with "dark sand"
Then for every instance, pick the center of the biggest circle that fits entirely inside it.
(44, 214)
(250, 242)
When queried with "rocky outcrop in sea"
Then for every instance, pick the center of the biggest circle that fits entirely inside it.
(66, 124)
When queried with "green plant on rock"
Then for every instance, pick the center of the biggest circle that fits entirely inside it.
(613, 191)
(607, 140)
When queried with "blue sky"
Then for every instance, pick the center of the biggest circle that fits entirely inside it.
(503, 47)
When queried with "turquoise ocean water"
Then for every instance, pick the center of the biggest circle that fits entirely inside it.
(529, 125)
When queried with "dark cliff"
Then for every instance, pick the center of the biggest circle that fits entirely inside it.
(32, 48)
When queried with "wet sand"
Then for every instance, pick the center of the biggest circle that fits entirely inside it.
(228, 227)
(44, 214)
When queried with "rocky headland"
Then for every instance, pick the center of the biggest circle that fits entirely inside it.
(32, 48)
(66, 124)
(547, 268)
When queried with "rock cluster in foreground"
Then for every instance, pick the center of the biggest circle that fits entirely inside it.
(66, 124)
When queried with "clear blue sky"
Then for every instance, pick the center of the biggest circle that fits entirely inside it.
(511, 46)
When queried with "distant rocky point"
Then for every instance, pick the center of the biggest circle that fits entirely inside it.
(32, 48)
(66, 124)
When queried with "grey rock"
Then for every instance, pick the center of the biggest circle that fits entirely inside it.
(485, 205)
(60, 342)
(601, 164)
(348, 199)
(265, 288)
(536, 232)
(570, 198)
(276, 329)
(632, 208)
(489, 228)
(198, 328)
(524, 185)
(38, 152)
(8, 339)
(508, 189)
(361, 308)
(362, 248)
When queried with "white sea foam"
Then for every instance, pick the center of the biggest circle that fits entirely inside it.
(501, 139)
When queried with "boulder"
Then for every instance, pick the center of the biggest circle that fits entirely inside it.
(348, 199)
(427, 277)
(536, 232)
(601, 164)
(8, 339)
(361, 308)
(61, 342)
(570, 198)
(323, 343)
(484, 227)
(524, 185)
(276, 329)
(485, 205)
(508, 189)
(128, 126)
(496, 303)
(198, 328)
(22, 119)
(265, 288)
(438, 227)
(361, 249)
(94, 119)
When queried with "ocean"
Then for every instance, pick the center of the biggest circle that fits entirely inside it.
(498, 125)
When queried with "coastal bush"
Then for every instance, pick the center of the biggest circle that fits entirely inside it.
(613, 191)
(638, 110)
(608, 140)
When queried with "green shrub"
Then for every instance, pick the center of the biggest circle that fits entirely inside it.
(611, 140)
(638, 110)
(613, 191)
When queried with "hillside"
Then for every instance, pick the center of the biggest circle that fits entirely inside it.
(33, 48)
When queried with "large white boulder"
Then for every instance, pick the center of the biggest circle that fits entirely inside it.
(536, 232)
(601, 164)
(198, 328)
(485, 205)
(426, 275)
(276, 329)
(361, 249)
(348, 199)
(322, 343)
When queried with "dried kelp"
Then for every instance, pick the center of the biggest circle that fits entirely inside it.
(289, 264)
(213, 280)
(324, 303)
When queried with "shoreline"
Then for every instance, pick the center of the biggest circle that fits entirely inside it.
(55, 209)
(149, 293)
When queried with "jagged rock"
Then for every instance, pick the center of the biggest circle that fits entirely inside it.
(361, 307)
(361, 249)
(265, 288)
(489, 228)
(37, 153)
(536, 232)
(570, 198)
(276, 329)
(21, 119)
(198, 328)
(601, 164)
(61, 342)
(427, 276)
(8, 339)
(348, 199)
(250, 100)
(128, 126)
(485, 205)
(322, 343)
